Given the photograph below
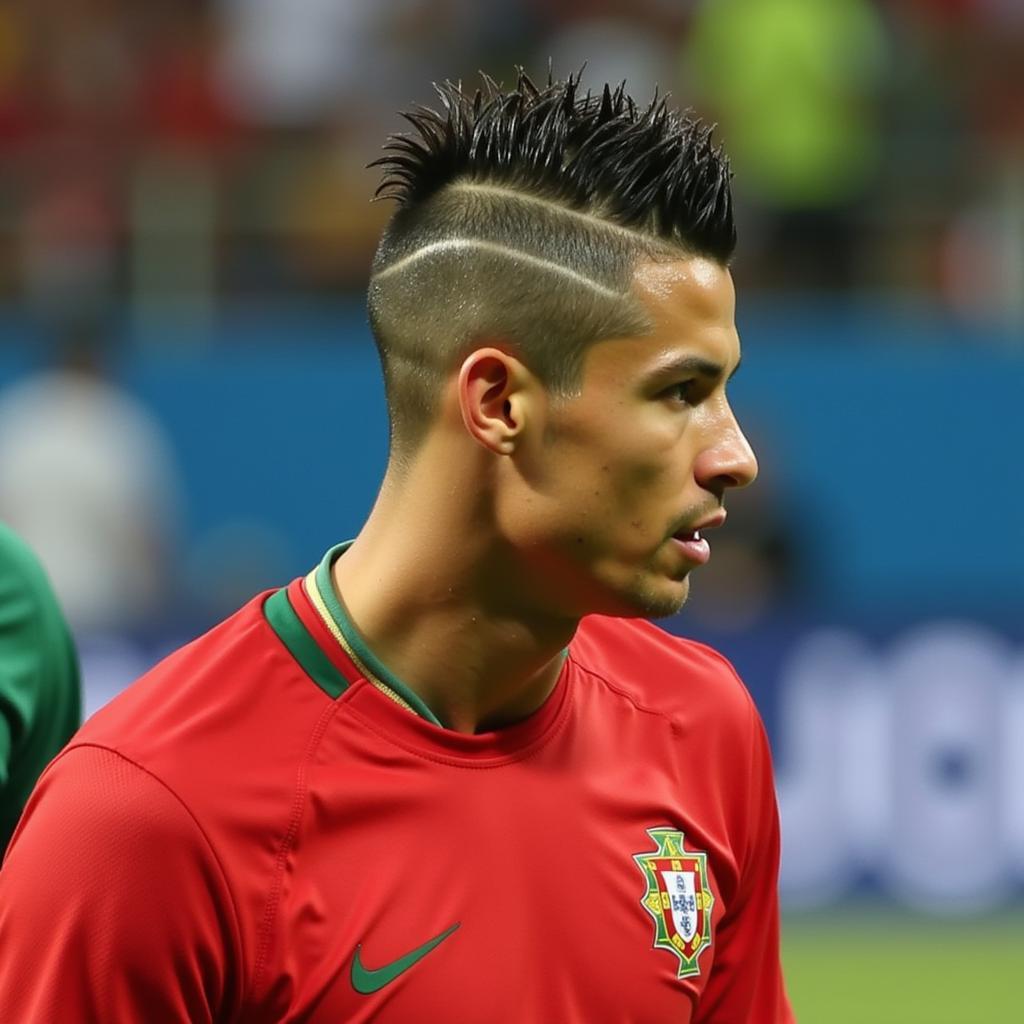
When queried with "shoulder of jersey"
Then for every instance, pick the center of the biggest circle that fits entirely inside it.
(656, 669)
(212, 692)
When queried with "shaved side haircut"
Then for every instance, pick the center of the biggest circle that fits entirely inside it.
(521, 217)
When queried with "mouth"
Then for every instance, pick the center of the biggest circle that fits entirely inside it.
(687, 536)
(691, 543)
(692, 546)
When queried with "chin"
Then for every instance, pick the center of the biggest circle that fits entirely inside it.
(667, 606)
(652, 598)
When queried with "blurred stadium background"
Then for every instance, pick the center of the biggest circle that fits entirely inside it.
(190, 411)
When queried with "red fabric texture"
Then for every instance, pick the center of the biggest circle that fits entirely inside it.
(218, 842)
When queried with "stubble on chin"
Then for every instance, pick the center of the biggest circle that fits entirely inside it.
(659, 602)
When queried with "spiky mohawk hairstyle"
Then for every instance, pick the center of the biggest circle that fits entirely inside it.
(653, 169)
(522, 217)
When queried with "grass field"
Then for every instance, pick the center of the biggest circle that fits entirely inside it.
(878, 968)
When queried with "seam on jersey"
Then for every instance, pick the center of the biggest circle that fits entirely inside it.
(723, 661)
(624, 694)
(456, 761)
(265, 933)
(757, 730)
(753, 717)
(236, 918)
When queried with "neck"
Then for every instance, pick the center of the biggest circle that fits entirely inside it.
(433, 591)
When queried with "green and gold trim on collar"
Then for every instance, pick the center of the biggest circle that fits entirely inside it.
(285, 622)
(320, 590)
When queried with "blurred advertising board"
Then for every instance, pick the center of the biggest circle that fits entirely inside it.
(899, 762)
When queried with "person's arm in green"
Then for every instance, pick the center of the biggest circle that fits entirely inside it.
(40, 691)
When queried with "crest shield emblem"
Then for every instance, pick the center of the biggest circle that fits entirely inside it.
(678, 897)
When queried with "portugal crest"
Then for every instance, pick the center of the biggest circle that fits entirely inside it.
(678, 897)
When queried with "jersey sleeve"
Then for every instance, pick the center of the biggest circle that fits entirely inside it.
(746, 984)
(113, 906)
(40, 699)
(23, 650)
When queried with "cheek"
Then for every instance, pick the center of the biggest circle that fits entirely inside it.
(627, 504)
(628, 475)
(648, 480)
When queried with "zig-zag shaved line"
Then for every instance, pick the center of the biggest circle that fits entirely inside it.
(461, 244)
(547, 204)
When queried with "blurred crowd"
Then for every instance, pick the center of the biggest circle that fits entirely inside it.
(170, 159)
(166, 161)
(189, 153)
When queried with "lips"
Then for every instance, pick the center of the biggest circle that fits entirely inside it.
(692, 546)
(689, 542)
(692, 531)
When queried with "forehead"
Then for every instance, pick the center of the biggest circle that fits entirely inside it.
(679, 292)
(691, 304)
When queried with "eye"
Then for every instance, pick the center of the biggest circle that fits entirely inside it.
(683, 392)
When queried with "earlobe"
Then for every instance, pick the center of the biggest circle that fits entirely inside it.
(490, 392)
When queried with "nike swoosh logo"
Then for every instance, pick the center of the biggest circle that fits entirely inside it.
(366, 981)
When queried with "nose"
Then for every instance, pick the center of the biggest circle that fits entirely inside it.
(728, 461)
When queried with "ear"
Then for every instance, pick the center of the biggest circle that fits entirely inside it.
(495, 398)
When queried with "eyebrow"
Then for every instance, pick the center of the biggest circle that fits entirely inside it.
(694, 364)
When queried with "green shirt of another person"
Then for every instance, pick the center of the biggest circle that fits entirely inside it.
(40, 692)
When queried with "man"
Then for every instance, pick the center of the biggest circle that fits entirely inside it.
(451, 774)
(40, 695)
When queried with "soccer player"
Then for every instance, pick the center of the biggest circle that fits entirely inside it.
(40, 694)
(452, 774)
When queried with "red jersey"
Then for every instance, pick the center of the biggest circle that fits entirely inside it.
(267, 828)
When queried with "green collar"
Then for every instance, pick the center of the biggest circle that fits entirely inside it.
(355, 640)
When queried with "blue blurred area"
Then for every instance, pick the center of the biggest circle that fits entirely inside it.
(889, 439)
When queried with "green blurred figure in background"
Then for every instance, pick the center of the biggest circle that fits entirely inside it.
(40, 691)
(796, 84)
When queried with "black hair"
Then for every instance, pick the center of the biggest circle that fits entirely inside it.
(655, 170)
(521, 216)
